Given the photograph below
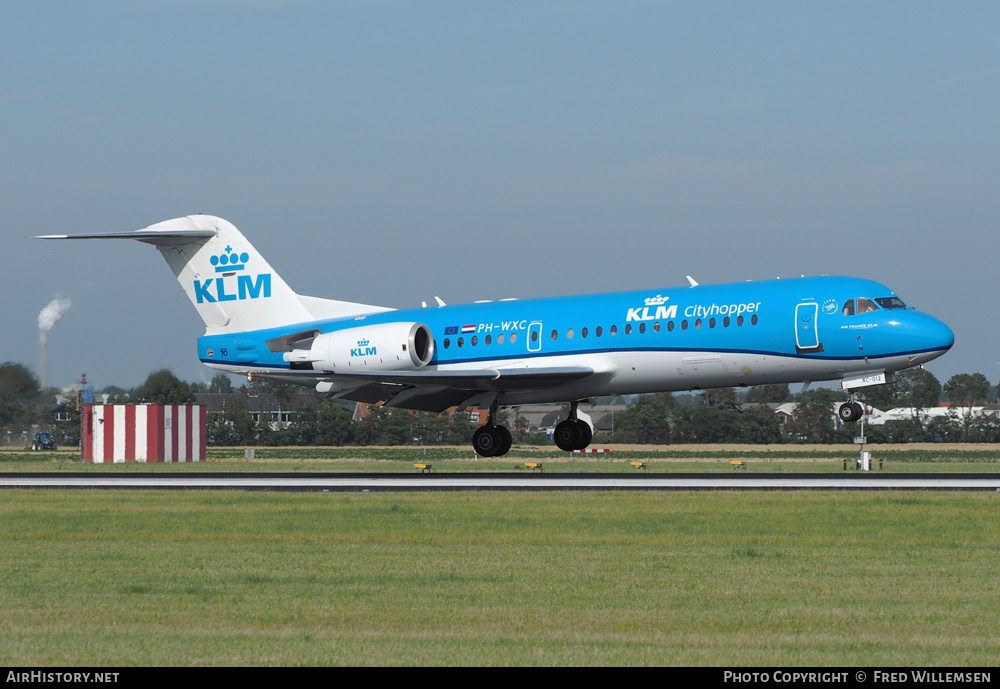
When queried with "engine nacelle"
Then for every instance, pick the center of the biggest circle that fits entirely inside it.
(382, 347)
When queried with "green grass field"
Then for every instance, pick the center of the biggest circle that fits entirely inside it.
(113, 578)
(932, 458)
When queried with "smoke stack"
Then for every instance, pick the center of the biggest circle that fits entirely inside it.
(41, 358)
(52, 312)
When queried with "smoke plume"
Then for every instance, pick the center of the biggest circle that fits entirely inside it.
(52, 313)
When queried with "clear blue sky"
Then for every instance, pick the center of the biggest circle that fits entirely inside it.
(387, 152)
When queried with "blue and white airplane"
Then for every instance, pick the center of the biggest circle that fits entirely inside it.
(512, 352)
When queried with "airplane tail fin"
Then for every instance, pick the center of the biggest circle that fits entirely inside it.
(231, 285)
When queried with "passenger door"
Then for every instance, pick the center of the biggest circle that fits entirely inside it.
(806, 333)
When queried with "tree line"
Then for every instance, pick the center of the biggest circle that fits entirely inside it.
(715, 416)
(728, 415)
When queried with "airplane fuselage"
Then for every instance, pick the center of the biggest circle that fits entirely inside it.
(739, 334)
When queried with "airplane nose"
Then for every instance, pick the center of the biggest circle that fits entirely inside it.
(935, 337)
(945, 336)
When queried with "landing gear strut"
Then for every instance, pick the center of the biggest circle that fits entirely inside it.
(572, 434)
(850, 412)
(492, 440)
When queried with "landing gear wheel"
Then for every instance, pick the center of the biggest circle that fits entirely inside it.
(505, 441)
(586, 435)
(487, 441)
(567, 435)
(572, 434)
(850, 412)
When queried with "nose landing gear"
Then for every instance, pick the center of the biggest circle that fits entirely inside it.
(850, 412)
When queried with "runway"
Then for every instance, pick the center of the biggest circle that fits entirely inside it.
(510, 482)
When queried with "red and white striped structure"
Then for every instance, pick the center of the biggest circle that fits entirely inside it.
(143, 433)
(591, 450)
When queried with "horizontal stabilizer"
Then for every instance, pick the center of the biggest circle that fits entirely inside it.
(158, 237)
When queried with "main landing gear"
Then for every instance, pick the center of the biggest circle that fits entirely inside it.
(572, 434)
(850, 412)
(492, 440)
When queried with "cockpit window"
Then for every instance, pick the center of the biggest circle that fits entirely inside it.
(891, 303)
(866, 305)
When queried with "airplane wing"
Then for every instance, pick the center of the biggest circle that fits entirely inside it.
(430, 390)
(481, 379)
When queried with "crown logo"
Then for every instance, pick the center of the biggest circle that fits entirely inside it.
(228, 262)
(363, 343)
(656, 301)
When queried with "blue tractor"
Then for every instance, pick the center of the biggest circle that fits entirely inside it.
(43, 441)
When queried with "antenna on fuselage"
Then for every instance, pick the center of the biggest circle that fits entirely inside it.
(438, 300)
(694, 283)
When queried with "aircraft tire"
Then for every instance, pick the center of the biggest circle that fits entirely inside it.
(487, 441)
(850, 412)
(567, 435)
(505, 441)
(586, 435)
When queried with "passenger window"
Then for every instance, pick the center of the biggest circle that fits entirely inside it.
(848, 309)
(614, 329)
